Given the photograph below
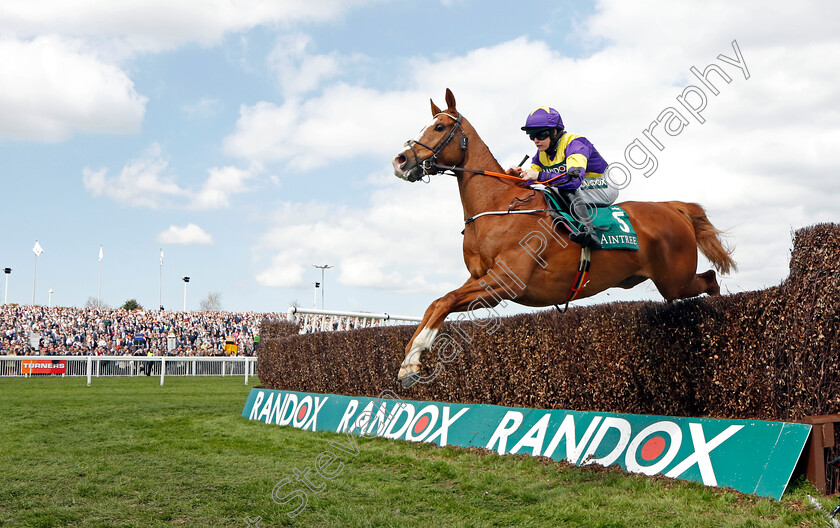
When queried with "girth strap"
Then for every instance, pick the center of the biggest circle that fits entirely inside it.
(580, 278)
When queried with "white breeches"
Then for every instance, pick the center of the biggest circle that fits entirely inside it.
(597, 191)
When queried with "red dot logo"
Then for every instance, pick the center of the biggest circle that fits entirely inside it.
(302, 413)
(421, 424)
(653, 448)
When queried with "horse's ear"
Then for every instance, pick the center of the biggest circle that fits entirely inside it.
(435, 109)
(450, 100)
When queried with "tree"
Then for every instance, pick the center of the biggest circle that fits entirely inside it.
(211, 303)
(93, 302)
(132, 304)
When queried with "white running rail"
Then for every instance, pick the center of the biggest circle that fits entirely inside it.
(312, 320)
(102, 366)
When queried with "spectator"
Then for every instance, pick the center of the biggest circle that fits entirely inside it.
(88, 331)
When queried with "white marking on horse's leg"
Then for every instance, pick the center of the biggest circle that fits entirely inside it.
(420, 344)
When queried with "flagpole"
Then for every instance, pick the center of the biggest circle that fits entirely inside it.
(37, 249)
(34, 275)
(160, 281)
(99, 291)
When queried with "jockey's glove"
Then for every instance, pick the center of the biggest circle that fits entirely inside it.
(573, 172)
(529, 174)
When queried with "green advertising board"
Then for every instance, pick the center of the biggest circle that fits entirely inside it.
(747, 455)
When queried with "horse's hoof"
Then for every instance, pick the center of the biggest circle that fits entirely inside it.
(409, 380)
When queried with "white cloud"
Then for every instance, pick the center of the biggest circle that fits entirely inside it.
(205, 107)
(189, 235)
(378, 122)
(148, 182)
(386, 245)
(297, 70)
(677, 29)
(60, 60)
(158, 25)
(322, 130)
(54, 88)
(222, 182)
(143, 182)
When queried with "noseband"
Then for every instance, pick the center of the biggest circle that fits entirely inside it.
(430, 166)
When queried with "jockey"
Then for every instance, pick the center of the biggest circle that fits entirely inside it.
(558, 152)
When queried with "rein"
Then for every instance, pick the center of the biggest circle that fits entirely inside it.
(502, 175)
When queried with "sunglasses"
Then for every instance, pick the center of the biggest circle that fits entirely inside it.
(541, 135)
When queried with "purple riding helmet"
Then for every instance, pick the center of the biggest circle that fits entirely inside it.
(543, 117)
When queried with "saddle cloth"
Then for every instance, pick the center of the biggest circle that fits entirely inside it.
(611, 224)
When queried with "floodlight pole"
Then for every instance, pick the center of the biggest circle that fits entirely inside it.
(323, 285)
(7, 271)
(186, 280)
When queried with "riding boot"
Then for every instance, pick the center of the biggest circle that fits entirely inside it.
(586, 237)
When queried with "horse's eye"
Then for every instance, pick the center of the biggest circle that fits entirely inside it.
(439, 127)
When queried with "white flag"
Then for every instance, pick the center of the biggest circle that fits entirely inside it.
(38, 249)
(100, 253)
(161, 257)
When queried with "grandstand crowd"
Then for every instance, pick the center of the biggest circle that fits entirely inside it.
(38, 330)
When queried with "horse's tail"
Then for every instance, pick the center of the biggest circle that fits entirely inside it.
(708, 237)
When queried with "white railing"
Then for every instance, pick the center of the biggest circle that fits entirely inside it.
(107, 366)
(312, 320)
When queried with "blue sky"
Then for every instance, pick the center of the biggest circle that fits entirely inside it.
(251, 142)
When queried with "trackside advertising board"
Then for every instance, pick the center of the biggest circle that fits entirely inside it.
(44, 366)
(750, 456)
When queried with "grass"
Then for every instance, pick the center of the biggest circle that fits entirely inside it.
(126, 452)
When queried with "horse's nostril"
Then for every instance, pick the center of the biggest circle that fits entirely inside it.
(400, 160)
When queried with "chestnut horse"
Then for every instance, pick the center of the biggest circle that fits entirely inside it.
(502, 267)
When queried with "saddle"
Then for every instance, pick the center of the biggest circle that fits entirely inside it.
(611, 222)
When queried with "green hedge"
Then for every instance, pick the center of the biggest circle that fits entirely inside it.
(769, 354)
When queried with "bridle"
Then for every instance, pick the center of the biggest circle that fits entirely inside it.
(430, 166)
